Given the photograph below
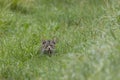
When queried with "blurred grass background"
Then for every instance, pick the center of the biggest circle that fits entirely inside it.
(88, 45)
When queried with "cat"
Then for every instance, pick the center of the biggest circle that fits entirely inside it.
(48, 47)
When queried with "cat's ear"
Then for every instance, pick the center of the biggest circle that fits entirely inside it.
(43, 41)
(54, 40)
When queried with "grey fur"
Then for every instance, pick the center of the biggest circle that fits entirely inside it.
(48, 47)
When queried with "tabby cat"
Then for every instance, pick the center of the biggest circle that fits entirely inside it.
(48, 46)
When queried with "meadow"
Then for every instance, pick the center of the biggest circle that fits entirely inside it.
(87, 33)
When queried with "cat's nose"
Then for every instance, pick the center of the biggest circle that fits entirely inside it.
(49, 47)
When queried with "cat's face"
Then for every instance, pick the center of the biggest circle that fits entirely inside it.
(48, 45)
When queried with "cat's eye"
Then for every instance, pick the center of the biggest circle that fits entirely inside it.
(53, 42)
(43, 42)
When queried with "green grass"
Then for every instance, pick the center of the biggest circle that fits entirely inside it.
(88, 46)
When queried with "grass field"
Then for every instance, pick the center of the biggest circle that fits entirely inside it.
(87, 32)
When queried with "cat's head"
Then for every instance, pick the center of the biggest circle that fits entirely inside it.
(48, 44)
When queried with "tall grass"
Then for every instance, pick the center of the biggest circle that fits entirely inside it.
(88, 39)
(21, 6)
